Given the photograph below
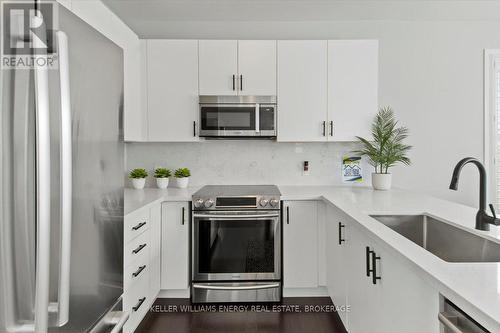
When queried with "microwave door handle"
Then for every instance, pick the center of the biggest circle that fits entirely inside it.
(42, 275)
(257, 118)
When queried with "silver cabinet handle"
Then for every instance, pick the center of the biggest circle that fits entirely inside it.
(241, 82)
(194, 128)
(251, 287)
(139, 304)
(139, 226)
(42, 275)
(234, 82)
(66, 181)
(287, 214)
(139, 248)
(324, 128)
(183, 215)
(446, 322)
(331, 127)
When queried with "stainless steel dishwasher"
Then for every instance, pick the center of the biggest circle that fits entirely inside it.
(454, 320)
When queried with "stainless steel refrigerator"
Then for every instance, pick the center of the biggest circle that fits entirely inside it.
(61, 181)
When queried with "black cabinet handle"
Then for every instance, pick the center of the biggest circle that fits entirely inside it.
(234, 83)
(183, 215)
(368, 258)
(374, 267)
(194, 128)
(139, 248)
(324, 128)
(331, 128)
(139, 271)
(139, 304)
(139, 226)
(340, 233)
(287, 214)
(241, 82)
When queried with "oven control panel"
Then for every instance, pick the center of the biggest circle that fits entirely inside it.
(228, 203)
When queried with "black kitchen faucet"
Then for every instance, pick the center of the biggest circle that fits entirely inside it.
(483, 220)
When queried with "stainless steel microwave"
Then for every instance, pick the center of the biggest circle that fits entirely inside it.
(238, 116)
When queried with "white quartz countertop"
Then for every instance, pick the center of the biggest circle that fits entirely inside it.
(475, 287)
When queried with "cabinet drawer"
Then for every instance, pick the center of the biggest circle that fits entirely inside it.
(136, 302)
(135, 224)
(136, 249)
(135, 271)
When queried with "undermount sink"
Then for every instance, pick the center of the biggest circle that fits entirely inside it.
(444, 240)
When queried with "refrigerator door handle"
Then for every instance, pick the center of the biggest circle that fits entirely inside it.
(66, 155)
(42, 275)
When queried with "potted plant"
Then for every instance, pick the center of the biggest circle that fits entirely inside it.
(161, 175)
(138, 177)
(182, 176)
(386, 149)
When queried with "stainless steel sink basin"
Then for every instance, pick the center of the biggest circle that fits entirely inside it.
(444, 240)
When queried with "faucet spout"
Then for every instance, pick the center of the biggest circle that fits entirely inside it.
(483, 220)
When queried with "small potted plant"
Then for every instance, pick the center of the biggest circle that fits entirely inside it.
(182, 176)
(138, 177)
(386, 149)
(161, 175)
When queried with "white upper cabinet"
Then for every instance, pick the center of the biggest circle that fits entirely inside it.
(257, 67)
(302, 90)
(172, 90)
(218, 61)
(352, 88)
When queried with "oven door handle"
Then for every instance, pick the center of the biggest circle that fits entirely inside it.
(251, 287)
(234, 216)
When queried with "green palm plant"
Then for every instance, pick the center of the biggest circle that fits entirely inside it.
(387, 147)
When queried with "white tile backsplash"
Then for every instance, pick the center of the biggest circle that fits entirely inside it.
(246, 162)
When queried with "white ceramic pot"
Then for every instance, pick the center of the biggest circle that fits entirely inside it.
(162, 183)
(138, 183)
(182, 182)
(382, 181)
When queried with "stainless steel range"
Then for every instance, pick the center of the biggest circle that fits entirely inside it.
(236, 239)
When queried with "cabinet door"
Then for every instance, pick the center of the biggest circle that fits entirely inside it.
(218, 61)
(257, 67)
(154, 251)
(408, 303)
(175, 245)
(352, 87)
(337, 265)
(172, 89)
(363, 296)
(300, 245)
(302, 90)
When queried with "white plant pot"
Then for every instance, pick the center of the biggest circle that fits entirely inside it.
(382, 181)
(182, 182)
(162, 183)
(138, 183)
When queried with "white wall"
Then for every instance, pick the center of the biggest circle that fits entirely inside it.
(246, 162)
(430, 73)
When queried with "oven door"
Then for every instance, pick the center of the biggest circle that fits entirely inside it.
(236, 246)
(237, 120)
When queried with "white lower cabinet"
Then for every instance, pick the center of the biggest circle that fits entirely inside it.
(398, 300)
(300, 244)
(141, 263)
(175, 246)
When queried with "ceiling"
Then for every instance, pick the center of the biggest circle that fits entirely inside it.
(139, 14)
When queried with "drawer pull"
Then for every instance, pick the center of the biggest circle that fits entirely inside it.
(139, 271)
(368, 256)
(139, 304)
(374, 268)
(139, 248)
(340, 233)
(139, 226)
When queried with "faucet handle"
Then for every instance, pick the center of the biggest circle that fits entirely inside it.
(492, 208)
